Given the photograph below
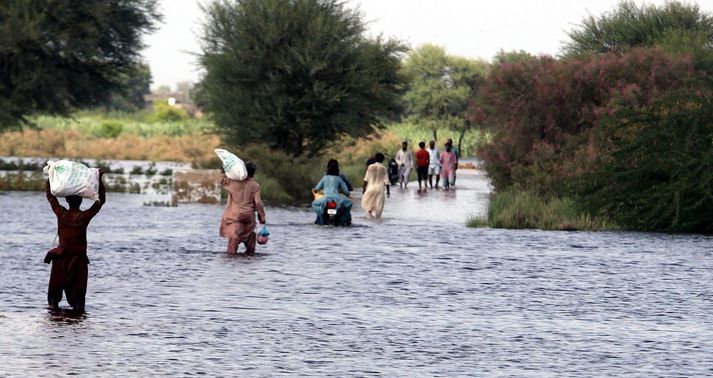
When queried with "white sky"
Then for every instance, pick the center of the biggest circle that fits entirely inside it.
(471, 28)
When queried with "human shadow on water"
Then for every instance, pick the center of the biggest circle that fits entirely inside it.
(65, 316)
(244, 256)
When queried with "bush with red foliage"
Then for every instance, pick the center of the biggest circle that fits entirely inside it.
(543, 112)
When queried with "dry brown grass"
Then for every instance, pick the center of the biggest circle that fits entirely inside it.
(74, 144)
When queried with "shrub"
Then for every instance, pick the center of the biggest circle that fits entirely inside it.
(658, 175)
(162, 112)
(542, 112)
(110, 129)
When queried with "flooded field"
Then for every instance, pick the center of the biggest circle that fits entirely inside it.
(416, 294)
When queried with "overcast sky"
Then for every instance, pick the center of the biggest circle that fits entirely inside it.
(472, 28)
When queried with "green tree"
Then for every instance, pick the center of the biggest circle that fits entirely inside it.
(512, 56)
(295, 74)
(56, 55)
(441, 87)
(674, 26)
(134, 85)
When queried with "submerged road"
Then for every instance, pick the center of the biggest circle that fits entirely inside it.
(415, 294)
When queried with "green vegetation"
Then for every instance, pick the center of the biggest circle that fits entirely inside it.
(416, 132)
(166, 113)
(619, 128)
(676, 26)
(145, 124)
(295, 74)
(439, 91)
(519, 209)
(624, 129)
(61, 55)
(659, 177)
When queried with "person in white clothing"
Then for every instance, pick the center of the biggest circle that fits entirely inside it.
(434, 166)
(404, 158)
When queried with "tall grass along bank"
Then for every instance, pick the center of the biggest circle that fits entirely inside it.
(515, 209)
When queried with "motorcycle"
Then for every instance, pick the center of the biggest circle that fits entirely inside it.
(332, 214)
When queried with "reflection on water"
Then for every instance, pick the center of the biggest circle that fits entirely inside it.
(415, 294)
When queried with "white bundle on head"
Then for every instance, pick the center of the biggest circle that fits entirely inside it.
(234, 166)
(68, 178)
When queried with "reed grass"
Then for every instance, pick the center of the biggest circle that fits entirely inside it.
(514, 209)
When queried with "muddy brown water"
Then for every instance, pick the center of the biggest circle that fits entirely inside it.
(416, 294)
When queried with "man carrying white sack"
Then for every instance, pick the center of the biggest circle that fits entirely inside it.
(69, 259)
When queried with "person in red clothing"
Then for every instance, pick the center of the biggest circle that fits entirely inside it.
(69, 259)
(423, 159)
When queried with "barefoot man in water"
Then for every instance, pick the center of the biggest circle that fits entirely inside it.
(238, 222)
(69, 259)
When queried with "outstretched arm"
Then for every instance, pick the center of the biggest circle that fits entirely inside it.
(94, 209)
(56, 207)
(102, 189)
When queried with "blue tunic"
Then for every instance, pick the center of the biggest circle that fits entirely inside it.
(331, 186)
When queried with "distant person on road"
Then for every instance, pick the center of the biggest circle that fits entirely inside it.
(372, 201)
(434, 165)
(457, 153)
(238, 222)
(423, 159)
(448, 166)
(404, 159)
(69, 259)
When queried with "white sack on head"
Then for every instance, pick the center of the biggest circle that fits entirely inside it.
(68, 178)
(234, 166)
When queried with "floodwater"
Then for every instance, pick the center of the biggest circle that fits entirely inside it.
(416, 294)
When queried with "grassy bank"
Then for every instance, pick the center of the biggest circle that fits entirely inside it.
(120, 136)
(524, 210)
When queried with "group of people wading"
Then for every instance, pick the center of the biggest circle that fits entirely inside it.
(69, 259)
(429, 163)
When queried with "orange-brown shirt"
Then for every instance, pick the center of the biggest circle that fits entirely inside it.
(244, 200)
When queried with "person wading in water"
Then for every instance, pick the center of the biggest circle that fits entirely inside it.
(69, 259)
(238, 222)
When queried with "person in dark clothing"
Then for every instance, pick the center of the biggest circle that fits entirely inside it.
(69, 259)
(393, 171)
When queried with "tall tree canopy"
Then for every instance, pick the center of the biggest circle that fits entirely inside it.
(56, 55)
(440, 87)
(676, 25)
(295, 73)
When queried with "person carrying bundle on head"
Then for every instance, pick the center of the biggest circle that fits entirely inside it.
(69, 259)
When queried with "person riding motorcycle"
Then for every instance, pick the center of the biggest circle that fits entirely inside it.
(331, 185)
